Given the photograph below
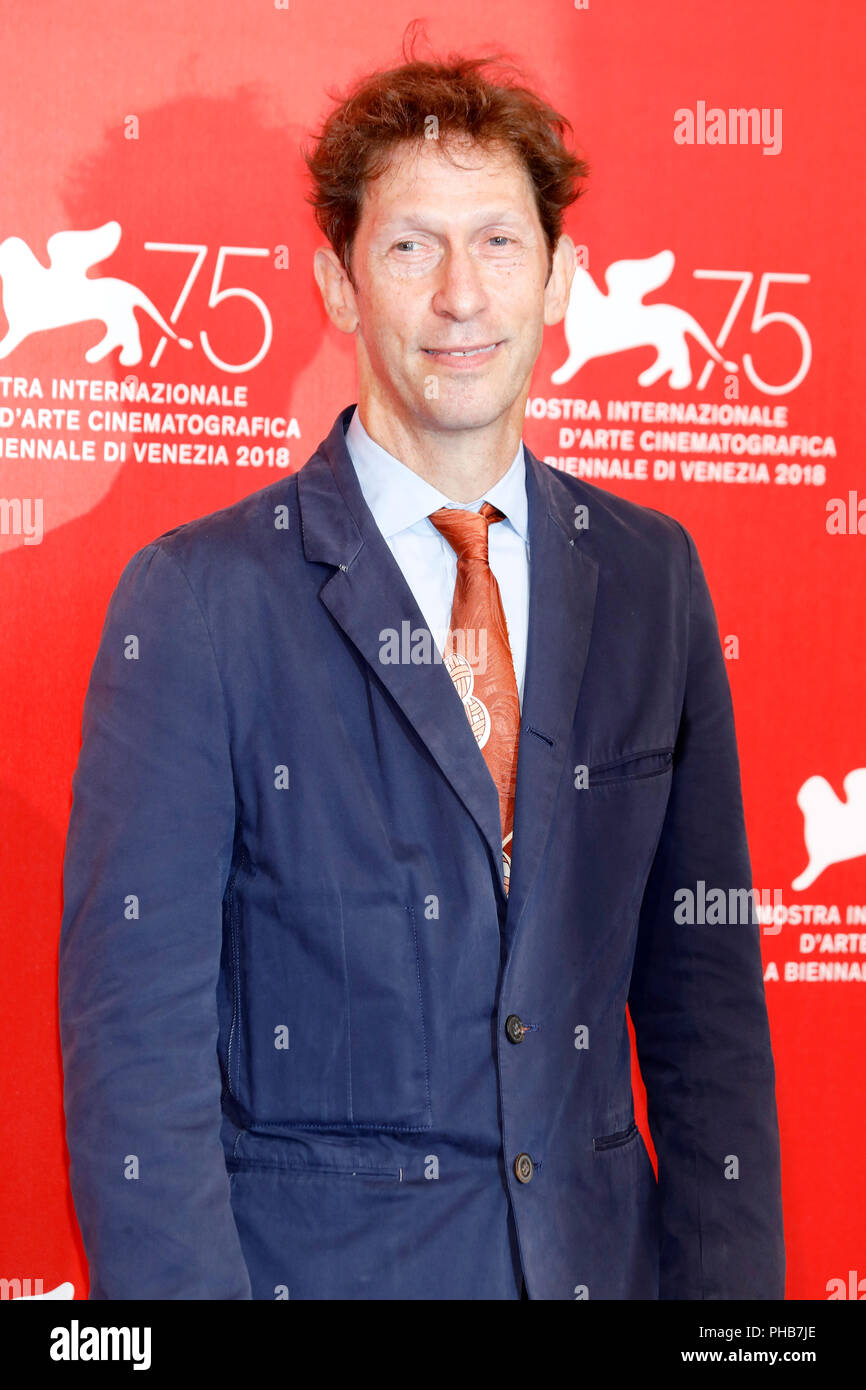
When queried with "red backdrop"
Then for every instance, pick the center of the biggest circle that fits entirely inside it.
(176, 129)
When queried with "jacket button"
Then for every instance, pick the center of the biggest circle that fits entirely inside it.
(523, 1168)
(513, 1029)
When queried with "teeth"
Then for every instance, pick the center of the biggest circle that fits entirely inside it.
(470, 353)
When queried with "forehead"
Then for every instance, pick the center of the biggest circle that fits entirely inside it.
(435, 178)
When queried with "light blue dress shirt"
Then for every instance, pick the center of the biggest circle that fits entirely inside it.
(401, 502)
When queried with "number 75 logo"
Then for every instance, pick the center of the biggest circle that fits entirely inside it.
(760, 320)
(217, 295)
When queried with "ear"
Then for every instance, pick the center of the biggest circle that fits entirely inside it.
(558, 287)
(337, 293)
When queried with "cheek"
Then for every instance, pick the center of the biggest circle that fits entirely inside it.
(389, 318)
(528, 320)
(525, 300)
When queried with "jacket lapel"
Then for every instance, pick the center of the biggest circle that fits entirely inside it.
(563, 580)
(368, 595)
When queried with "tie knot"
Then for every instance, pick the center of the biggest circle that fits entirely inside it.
(466, 531)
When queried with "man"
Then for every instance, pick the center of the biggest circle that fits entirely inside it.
(392, 777)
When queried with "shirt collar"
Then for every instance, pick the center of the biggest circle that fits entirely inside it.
(399, 498)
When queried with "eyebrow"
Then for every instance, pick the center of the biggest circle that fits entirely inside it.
(415, 218)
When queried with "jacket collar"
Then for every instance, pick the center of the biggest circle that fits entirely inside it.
(367, 593)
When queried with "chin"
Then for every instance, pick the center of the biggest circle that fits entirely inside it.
(470, 414)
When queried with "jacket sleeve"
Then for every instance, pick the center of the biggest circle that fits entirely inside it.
(148, 851)
(699, 1011)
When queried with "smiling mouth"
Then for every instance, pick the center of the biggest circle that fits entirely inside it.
(461, 352)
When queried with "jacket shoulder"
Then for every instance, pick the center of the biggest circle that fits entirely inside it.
(233, 534)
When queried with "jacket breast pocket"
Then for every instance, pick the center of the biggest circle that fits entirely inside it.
(330, 1015)
(619, 1139)
(633, 767)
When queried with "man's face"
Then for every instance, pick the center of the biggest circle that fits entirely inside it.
(451, 256)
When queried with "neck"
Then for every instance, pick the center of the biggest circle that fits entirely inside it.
(461, 463)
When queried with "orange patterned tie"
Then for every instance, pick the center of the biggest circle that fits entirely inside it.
(478, 656)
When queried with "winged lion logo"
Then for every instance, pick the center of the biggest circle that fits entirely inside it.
(36, 298)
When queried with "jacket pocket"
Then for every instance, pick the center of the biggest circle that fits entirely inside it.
(653, 763)
(267, 1154)
(331, 1028)
(618, 1140)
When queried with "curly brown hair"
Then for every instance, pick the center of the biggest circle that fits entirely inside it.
(474, 97)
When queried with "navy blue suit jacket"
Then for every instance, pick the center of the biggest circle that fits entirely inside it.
(287, 959)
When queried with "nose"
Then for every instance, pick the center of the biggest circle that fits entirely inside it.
(459, 293)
